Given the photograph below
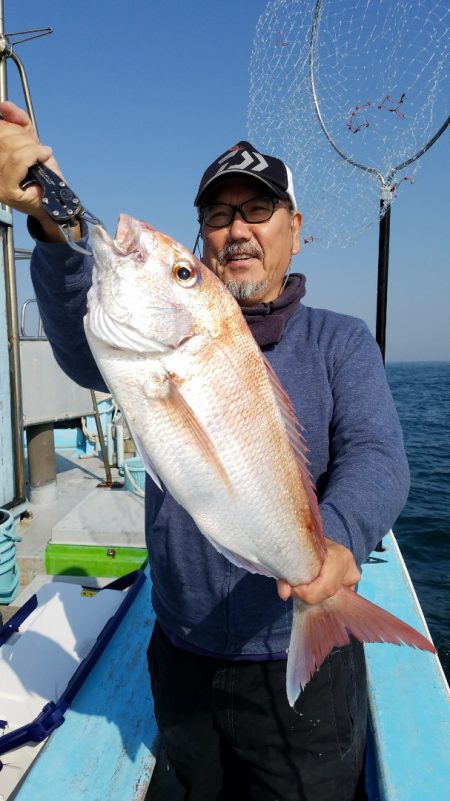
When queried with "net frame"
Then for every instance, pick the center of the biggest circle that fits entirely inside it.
(385, 181)
(273, 100)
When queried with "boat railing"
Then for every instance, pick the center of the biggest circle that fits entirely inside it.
(24, 334)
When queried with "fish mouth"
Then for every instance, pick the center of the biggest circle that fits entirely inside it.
(128, 235)
(99, 234)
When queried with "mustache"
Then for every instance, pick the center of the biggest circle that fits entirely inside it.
(239, 248)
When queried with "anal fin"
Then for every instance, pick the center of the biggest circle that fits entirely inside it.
(240, 561)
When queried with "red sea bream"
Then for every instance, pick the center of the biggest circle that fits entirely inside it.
(213, 423)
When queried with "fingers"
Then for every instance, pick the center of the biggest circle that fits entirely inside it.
(21, 154)
(313, 593)
(339, 569)
(284, 589)
(12, 113)
(17, 155)
(19, 150)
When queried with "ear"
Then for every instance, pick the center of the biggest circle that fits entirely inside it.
(296, 224)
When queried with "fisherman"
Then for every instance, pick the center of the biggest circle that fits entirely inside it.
(217, 657)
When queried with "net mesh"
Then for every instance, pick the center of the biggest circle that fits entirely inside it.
(379, 72)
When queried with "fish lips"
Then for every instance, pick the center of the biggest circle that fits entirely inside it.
(126, 241)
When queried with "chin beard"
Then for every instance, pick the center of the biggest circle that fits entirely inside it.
(246, 290)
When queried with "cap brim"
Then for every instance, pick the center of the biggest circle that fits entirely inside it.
(217, 179)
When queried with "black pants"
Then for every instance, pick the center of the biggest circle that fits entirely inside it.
(229, 734)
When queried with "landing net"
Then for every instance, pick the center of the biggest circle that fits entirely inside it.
(350, 93)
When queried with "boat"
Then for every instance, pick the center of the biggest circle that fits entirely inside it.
(105, 748)
(47, 649)
(409, 698)
(107, 745)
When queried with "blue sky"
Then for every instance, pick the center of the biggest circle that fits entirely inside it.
(137, 99)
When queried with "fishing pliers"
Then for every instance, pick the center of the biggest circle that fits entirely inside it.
(60, 202)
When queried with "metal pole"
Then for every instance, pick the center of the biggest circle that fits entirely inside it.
(41, 463)
(25, 88)
(13, 329)
(40, 439)
(382, 286)
(383, 268)
(108, 482)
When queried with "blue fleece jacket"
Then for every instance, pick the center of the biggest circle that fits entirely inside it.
(332, 370)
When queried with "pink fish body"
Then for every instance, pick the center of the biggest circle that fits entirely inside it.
(213, 423)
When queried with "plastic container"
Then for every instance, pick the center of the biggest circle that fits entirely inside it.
(7, 547)
(9, 570)
(133, 471)
(9, 585)
(8, 573)
(7, 524)
(7, 544)
(93, 560)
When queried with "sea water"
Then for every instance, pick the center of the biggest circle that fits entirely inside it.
(421, 393)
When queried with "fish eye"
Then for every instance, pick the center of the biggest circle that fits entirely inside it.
(184, 273)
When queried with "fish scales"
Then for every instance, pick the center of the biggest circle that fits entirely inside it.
(214, 425)
(241, 425)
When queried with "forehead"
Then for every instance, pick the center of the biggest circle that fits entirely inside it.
(235, 189)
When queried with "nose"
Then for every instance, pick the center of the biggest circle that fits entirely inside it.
(239, 229)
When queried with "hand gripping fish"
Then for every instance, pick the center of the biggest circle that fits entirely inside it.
(218, 429)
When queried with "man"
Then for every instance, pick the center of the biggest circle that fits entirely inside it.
(218, 653)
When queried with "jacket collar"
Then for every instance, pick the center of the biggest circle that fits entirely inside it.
(267, 321)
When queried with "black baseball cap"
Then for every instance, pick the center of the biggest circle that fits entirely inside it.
(244, 159)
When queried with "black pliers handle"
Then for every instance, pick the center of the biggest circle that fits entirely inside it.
(60, 202)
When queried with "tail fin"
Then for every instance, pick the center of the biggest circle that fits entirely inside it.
(317, 629)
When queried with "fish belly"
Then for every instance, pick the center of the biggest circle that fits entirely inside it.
(247, 498)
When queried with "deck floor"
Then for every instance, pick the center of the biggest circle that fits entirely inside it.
(80, 510)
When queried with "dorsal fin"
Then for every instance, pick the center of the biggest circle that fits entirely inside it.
(294, 431)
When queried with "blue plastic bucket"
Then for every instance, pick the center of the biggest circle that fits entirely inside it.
(9, 571)
(7, 524)
(6, 548)
(133, 471)
(8, 543)
(10, 585)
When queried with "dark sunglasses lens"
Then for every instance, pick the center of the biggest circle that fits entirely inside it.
(258, 209)
(255, 210)
(217, 215)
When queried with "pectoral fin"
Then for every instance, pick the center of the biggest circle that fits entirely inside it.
(185, 419)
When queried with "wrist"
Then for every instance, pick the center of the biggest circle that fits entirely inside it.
(45, 230)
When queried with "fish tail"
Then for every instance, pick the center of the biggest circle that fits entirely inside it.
(319, 628)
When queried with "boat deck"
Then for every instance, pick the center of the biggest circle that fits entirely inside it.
(82, 514)
(105, 747)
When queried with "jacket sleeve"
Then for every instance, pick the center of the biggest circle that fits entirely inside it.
(367, 480)
(61, 280)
